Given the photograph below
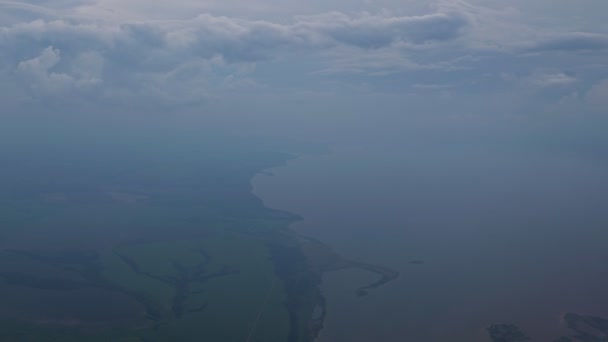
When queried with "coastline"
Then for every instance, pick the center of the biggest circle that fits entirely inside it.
(321, 259)
(320, 185)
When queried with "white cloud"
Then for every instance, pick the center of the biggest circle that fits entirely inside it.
(39, 74)
(43, 77)
(550, 79)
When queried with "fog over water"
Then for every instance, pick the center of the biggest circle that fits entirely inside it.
(507, 233)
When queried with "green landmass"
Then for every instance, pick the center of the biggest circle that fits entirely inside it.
(148, 236)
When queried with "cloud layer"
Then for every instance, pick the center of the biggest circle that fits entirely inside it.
(56, 54)
(106, 50)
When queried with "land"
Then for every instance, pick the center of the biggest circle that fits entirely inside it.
(153, 238)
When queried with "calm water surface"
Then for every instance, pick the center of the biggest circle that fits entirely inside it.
(506, 235)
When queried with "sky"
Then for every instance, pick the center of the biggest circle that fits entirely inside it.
(330, 63)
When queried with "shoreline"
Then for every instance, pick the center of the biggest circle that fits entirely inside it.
(321, 259)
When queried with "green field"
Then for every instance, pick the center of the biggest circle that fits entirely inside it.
(146, 238)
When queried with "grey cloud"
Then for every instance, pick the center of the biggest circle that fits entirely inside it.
(206, 36)
(597, 96)
(14, 12)
(190, 57)
(62, 53)
(375, 31)
(573, 42)
(42, 76)
(26, 40)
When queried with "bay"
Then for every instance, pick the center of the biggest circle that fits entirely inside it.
(481, 235)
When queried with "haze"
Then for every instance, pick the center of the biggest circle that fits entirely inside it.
(455, 149)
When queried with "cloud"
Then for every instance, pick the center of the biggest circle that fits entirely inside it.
(372, 32)
(572, 42)
(38, 71)
(597, 96)
(14, 12)
(150, 55)
(238, 39)
(183, 52)
(431, 86)
(550, 79)
(42, 76)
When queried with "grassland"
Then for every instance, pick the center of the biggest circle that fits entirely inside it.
(146, 239)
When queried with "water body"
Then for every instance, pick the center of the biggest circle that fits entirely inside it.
(481, 235)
